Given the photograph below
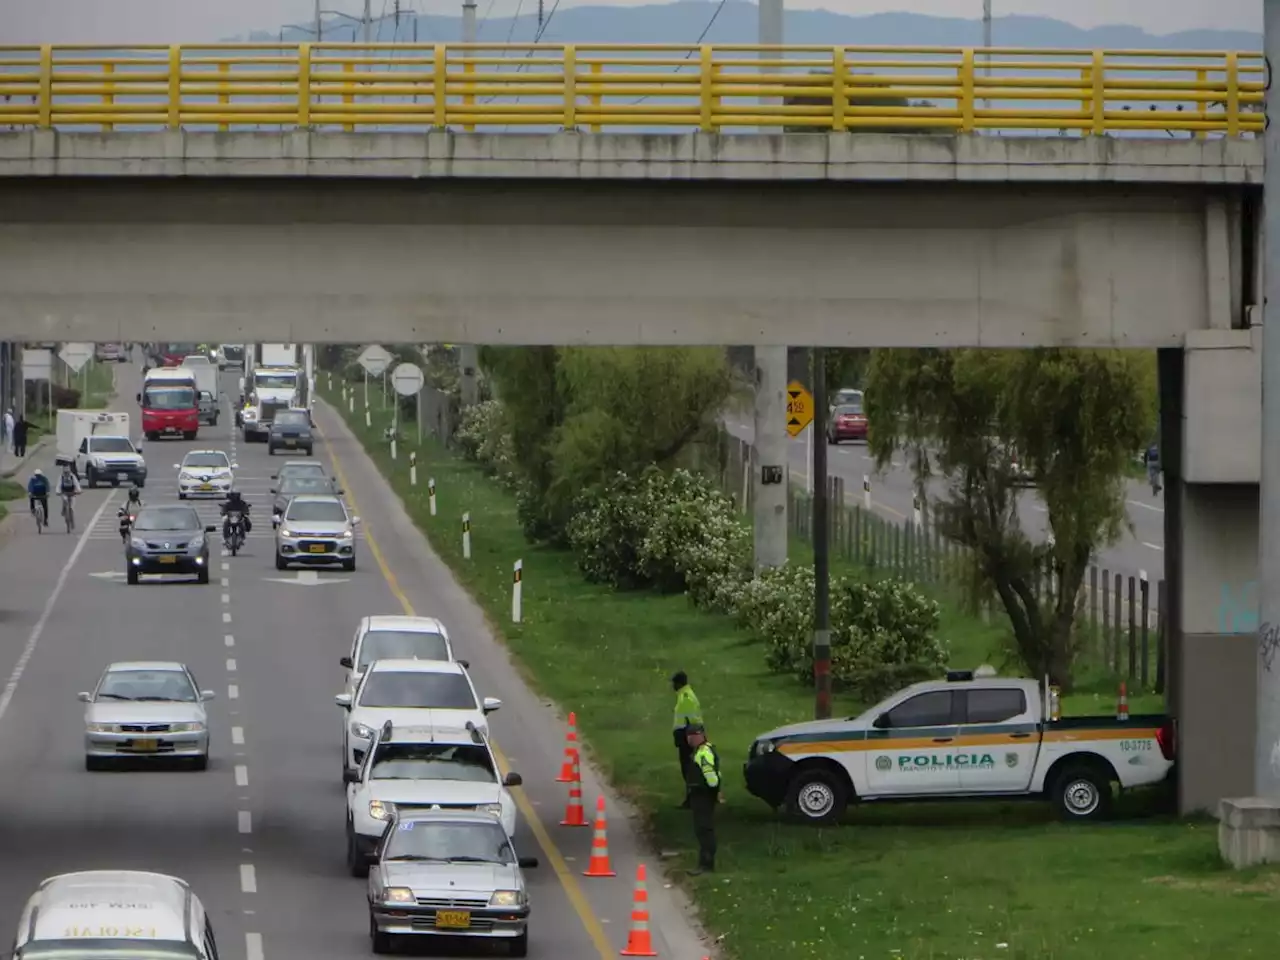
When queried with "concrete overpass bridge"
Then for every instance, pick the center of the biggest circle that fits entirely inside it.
(603, 195)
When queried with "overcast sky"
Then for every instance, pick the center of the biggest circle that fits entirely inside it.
(163, 21)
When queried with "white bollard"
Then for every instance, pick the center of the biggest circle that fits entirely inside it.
(466, 536)
(413, 469)
(393, 448)
(351, 403)
(866, 492)
(431, 495)
(368, 421)
(917, 514)
(517, 591)
(330, 381)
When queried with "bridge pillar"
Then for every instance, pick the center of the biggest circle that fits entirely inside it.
(770, 450)
(468, 384)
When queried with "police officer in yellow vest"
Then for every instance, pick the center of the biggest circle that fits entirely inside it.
(688, 712)
(704, 794)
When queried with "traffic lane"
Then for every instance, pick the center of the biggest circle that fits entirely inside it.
(290, 639)
(571, 921)
(57, 817)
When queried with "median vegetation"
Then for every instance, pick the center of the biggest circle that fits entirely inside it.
(635, 565)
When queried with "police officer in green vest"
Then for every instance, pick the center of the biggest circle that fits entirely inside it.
(704, 794)
(688, 712)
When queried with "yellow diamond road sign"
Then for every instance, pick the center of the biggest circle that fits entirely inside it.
(799, 408)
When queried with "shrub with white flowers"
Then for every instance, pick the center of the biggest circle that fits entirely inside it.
(607, 530)
(484, 437)
(693, 536)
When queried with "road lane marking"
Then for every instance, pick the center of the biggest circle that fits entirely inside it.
(244, 821)
(237, 735)
(248, 878)
(226, 598)
(225, 582)
(568, 881)
(253, 946)
(226, 617)
(233, 691)
(225, 566)
(1153, 546)
(1147, 506)
(229, 640)
(242, 775)
(231, 664)
(24, 658)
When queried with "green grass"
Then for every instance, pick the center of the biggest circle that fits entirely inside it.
(9, 490)
(919, 881)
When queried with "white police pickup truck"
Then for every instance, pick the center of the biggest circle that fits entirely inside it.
(959, 738)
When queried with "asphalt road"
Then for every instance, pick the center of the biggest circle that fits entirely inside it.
(891, 496)
(260, 833)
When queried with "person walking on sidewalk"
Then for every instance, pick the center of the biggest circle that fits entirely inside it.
(688, 712)
(6, 429)
(704, 795)
(20, 437)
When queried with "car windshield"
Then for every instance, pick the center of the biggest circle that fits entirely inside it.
(402, 645)
(110, 445)
(215, 460)
(168, 685)
(440, 691)
(849, 410)
(156, 519)
(275, 381)
(305, 484)
(301, 470)
(195, 360)
(436, 761)
(292, 418)
(168, 398)
(449, 842)
(317, 511)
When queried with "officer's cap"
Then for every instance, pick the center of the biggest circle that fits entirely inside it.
(695, 728)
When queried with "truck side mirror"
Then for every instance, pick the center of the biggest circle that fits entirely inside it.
(139, 397)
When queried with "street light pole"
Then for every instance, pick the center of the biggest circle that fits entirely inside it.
(986, 45)
(319, 24)
(366, 21)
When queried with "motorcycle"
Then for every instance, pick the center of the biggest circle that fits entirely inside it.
(235, 531)
(127, 516)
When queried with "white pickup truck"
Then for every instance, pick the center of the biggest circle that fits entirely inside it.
(959, 738)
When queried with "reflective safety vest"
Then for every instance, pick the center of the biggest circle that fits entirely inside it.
(707, 762)
(688, 710)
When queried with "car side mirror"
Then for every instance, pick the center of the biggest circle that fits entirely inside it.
(464, 664)
(340, 492)
(346, 662)
(84, 696)
(343, 700)
(350, 776)
(177, 466)
(355, 521)
(207, 695)
(512, 779)
(275, 476)
(881, 722)
(235, 466)
(211, 529)
(491, 704)
(138, 397)
(527, 863)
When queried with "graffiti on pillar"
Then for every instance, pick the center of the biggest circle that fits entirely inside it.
(1238, 607)
(1268, 644)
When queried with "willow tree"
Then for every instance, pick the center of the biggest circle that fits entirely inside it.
(1072, 417)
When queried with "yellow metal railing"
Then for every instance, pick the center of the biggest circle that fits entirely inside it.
(615, 86)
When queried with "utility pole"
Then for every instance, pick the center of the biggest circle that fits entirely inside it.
(769, 445)
(319, 24)
(821, 546)
(366, 21)
(468, 355)
(1266, 766)
(986, 44)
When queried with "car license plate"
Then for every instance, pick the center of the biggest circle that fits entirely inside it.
(206, 486)
(146, 746)
(291, 443)
(122, 476)
(168, 559)
(170, 429)
(453, 919)
(316, 548)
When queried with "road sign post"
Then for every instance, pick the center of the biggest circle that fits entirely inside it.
(799, 408)
(374, 360)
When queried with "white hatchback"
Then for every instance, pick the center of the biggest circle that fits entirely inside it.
(395, 638)
(205, 473)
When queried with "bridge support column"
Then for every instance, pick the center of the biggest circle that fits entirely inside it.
(468, 384)
(769, 457)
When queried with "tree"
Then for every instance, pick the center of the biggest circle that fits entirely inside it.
(1073, 417)
(804, 100)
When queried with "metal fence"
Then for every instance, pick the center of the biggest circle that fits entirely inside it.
(596, 87)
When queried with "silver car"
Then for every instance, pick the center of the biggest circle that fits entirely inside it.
(316, 529)
(149, 709)
(448, 873)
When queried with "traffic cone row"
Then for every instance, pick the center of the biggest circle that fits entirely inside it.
(571, 755)
(574, 815)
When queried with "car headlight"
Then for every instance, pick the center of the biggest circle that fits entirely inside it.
(185, 477)
(347, 534)
(99, 463)
(506, 898)
(761, 747)
(398, 895)
(192, 727)
(493, 809)
(361, 731)
(286, 532)
(102, 728)
(381, 811)
(138, 544)
(142, 464)
(197, 542)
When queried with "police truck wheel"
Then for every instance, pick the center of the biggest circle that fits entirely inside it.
(817, 796)
(90, 477)
(1082, 793)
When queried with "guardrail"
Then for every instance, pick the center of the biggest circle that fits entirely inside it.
(940, 90)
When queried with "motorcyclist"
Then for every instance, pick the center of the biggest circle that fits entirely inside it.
(128, 511)
(38, 491)
(235, 503)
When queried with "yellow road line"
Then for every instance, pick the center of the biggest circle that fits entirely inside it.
(572, 889)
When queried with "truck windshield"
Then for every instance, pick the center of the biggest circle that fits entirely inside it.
(168, 398)
(110, 445)
(275, 381)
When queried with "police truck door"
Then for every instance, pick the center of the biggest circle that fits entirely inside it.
(910, 747)
(1001, 737)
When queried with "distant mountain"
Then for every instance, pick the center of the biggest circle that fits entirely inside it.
(735, 22)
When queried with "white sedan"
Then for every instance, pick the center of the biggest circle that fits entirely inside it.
(396, 638)
(146, 709)
(410, 693)
(205, 473)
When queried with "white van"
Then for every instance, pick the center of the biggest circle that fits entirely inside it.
(103, 914)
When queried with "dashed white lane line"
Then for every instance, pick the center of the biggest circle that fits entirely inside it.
(237, 735)
(225, 582)
(242, 775)
(253, 946)
(248, 878)
(226, 598)
(225, 567)
(231, 664)
(233, 691)
(229, 640)
(226, 617)
(244, 821)
(1153, 546)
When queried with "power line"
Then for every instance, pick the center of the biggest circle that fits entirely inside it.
(702, 36)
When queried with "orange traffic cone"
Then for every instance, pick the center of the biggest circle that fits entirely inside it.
(639, 940)
(599, 865)
(574, 815)
(571, 756)
(1122, 708)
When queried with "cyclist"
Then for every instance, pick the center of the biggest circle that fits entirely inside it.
(38, 493)
(68, 488)
(235, 503)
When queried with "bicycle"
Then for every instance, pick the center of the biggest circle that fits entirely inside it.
(68, 511)
(40, 512)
